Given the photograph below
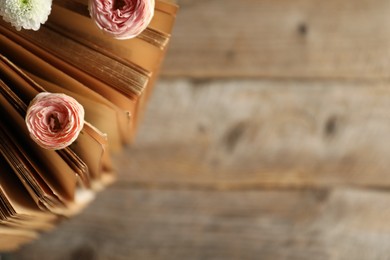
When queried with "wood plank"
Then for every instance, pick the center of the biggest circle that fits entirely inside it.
(158, 224)
(281, 38)
(256, 133)
(127, 223)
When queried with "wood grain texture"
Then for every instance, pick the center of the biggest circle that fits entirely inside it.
(281, 38)
(184, 224)
(158, 224)
(255, 133)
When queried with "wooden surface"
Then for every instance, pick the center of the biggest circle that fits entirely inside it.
(266, 138)
(281, 38)
(259, 133)
(128, 222)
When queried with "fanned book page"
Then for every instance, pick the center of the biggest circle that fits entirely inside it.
(107, 71)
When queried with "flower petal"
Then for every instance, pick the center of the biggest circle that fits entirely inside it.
(123, 19)
(26, 14)
(54, 120)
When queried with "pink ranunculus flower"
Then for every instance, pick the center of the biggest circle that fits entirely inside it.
(54, 120)
(123, 19)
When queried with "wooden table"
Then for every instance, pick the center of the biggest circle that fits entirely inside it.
(267, 137)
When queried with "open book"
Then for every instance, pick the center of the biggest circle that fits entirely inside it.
(110, 78)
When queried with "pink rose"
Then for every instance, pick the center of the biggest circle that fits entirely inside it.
(54, 120)
(123, 19)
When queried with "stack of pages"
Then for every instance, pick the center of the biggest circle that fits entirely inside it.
(110, 78)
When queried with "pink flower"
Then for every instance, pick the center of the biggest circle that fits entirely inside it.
(123, 19)
(54, 120)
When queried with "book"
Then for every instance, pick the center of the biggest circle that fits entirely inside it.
(112, 79)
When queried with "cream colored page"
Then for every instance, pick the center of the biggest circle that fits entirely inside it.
(37, 66)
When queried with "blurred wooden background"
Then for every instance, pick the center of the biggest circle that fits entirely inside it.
(267, 137)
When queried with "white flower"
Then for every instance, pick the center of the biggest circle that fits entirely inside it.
(26, 14)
